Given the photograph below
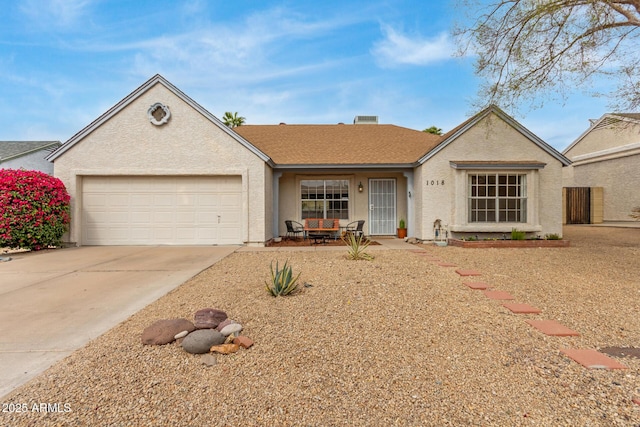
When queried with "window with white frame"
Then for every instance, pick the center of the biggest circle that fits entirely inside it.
(325, 198)
(497, 197)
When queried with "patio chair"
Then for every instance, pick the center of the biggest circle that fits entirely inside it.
(355, 227)
(293, 229)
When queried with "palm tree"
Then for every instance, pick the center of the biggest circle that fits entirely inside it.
(233, 120)
(434, 130)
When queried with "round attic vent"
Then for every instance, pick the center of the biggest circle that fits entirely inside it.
(158, 114)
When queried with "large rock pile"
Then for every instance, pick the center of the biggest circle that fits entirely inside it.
(211, 332)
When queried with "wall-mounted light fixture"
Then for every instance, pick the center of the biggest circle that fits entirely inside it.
(360, 187)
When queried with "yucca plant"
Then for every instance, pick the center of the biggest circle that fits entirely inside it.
(282, 280)
(357, 247)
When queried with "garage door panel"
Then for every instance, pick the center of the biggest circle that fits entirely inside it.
(187, 200)
(140, 218)
(161, 210)
(141, 200)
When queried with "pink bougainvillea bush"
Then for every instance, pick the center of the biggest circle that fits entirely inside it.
(34, 209)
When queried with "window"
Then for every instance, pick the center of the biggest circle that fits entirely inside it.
(325, 198)
(497, 198)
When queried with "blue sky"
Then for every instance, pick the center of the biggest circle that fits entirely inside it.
(65, 62)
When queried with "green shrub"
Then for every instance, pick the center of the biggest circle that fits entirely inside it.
(282, 281)
(34, 209)
(518, 235)
(552, 236)
(357, 247)
(402, 224)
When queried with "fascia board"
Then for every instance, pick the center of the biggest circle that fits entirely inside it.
(33, 150)
(136, 94)
(345, 166)
(453, 137)
(533, 138)
(594, 126)
(608, 154)
(511, 122)
(496, 166)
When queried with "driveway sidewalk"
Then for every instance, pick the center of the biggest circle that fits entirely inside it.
(54, 302)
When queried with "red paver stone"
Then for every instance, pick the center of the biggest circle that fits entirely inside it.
(477, 285)
(498, 295)
(243, 341)
(592, 359)
(551, 327)
(467, 272)
(446, 264)
(636, 400)
(521, 308)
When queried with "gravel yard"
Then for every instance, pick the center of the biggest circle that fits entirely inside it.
(395, 341)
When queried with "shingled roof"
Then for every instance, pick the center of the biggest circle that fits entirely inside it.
(14, 149)
(341, 144)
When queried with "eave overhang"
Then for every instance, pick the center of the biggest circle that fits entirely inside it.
(496, 165)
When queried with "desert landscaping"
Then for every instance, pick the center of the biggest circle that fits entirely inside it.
(396, 341)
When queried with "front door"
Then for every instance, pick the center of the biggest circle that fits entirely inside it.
(382, 207)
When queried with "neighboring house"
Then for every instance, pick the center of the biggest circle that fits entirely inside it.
(29, 155)
(158, 168)
(606, 160)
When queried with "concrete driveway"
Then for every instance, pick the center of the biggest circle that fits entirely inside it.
(54, 302)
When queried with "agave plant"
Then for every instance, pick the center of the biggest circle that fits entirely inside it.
(357, 247)
(282, 280)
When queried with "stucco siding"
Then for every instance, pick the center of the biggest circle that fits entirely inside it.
(443, 189)
(289, 189)
(620, 180)
(605, 138)
(189, 144)
(32, 161)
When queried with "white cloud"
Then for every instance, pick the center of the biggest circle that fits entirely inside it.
(55, 13)
(396, 49)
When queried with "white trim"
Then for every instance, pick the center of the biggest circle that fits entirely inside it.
(594, 125)
(165, 118)
(507, 119)
(157, 79)
(608, 154)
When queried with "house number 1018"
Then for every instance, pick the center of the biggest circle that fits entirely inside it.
(435, 182)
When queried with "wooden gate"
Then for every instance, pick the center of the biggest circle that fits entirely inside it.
(578, 205)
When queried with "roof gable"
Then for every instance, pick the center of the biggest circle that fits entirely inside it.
(459, 130)
(341, 145)
(15, 149)
(155, 80)
(604, 121)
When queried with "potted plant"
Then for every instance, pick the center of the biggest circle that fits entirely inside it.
(402, 229)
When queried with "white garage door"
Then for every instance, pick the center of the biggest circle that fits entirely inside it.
(161, 210)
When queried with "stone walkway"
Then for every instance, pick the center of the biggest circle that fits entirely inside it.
(589, 358)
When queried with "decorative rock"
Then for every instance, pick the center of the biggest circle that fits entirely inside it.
(231, 329)
(208, 359)
(224, 323)
(208, 318)
(243, 341)
(201, 340)
(182, 334)
(225, 348)
(164, 331)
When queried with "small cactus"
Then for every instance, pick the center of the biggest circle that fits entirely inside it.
(282, 280)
